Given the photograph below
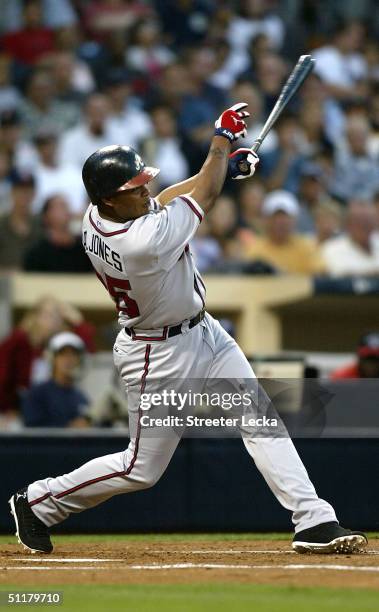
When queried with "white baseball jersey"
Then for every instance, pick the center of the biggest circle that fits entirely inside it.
(146, 264)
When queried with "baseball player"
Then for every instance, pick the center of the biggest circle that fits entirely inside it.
(139, 248)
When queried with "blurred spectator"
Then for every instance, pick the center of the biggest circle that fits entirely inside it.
(66, 88)
(33, 40)
(328, 220)
(341, 64)
(5, 183)
(250, 199)
(55, 13)
(19, 229)
(9, 95)
(41, 108)
(58, 402)
(281, 167)
(356, 171)
(94, 132)
(203, 101)
(355, 252)
(126, 119)
(314, 91)
(21, 155)
(205, 248)
(254, 18)
(367, 363)
(311, 194)
(101, 16)
(21, 353)
(56, 178)
(59, 251)
(312, 126)
(280, 246)
(270, 74)
(223, 224)
(244, 90)
(164, 148)
(146, 53)
(185, 23)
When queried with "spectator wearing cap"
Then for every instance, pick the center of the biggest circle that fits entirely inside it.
(355, 252)
(280, 245)
(53, 177)
(92, 133)
(19, 229)
(126, 117)
(59, 402)
(367, 363)
(59, 250)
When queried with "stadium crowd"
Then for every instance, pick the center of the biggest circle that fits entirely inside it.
(76, 75)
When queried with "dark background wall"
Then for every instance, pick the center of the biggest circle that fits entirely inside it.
(210, 485)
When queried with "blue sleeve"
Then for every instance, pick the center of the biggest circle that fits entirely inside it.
(33, 407)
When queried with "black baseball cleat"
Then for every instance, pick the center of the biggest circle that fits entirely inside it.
(30, 531)
(329, 538)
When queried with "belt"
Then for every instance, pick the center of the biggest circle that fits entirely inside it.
(169, 332)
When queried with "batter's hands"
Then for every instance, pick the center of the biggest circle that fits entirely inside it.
(242, 164)
(231, 124)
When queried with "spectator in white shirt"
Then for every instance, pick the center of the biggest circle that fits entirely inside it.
(164, 148)
(91, 134)
(341, 65)
(130, 122)
(357, 251)
(356, 170)
(53, 177)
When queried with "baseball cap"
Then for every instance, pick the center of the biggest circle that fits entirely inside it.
(22, 179)
(369, 345)
(45, 133)
(280, 200)
(63, 339)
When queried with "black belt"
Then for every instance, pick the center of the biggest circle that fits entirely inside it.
(175, 330)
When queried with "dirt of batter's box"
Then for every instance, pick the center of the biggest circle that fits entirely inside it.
(118, 563)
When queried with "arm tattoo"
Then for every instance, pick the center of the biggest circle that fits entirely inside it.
(217, 152)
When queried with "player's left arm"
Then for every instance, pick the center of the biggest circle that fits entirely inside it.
(170, 193)
(241, 166)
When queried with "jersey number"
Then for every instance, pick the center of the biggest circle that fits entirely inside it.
(118, 289)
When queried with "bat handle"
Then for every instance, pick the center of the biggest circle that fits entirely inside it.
(256, 145)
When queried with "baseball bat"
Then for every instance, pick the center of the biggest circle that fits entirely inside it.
(298, 75)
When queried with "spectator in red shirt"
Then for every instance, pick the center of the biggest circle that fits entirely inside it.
(367, 364)
(34, 40)
(21, 352)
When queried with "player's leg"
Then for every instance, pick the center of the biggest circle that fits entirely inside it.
(275, 457)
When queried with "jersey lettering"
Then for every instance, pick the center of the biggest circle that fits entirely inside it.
(98, 247)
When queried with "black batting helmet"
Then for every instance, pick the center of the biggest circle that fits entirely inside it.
(113, 169)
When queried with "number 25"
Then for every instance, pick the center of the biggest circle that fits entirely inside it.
(118, 289)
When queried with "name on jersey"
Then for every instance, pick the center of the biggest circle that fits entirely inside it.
(98, 247)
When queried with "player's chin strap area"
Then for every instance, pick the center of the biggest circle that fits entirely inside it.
(168, 331)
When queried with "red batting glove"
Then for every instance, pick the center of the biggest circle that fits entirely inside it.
(230, 124)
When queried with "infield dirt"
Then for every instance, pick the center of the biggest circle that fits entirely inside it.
(186, 562)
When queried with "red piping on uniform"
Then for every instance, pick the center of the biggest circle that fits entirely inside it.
(121, 231)
(192, 207)
(136, 447)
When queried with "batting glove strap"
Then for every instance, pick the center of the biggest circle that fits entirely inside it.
(242, 164)
(231, 124)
